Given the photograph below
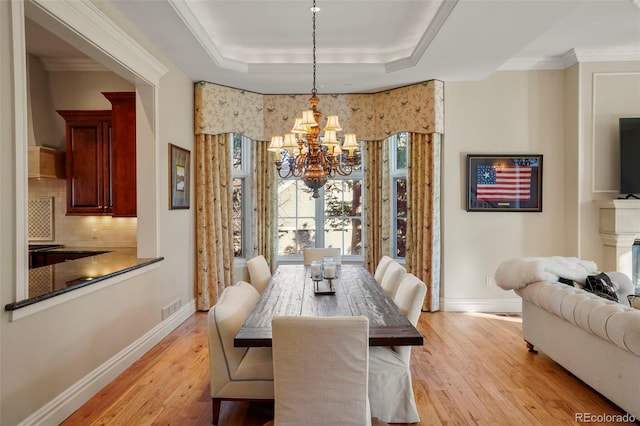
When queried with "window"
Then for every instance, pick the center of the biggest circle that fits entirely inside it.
(332, 220)
(240, 156)
(398, 155)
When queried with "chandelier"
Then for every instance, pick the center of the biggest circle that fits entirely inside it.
(303, 153)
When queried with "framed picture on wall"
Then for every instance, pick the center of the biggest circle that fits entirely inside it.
(507, 183)
(179, 182)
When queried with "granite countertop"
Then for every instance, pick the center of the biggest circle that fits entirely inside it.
(52, 280)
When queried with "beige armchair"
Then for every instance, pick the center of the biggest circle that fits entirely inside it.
(390, 388)
(318, 253)
(236, 373)
(391, 280)
(320, 371)
(259, 272)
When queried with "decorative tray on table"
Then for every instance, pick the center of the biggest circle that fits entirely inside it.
(324, 287)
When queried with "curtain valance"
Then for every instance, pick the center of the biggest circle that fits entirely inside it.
(418, 108)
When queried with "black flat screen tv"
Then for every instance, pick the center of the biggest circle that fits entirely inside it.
(630, 157)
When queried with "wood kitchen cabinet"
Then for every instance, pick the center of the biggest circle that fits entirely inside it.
(123, 153)
(101, 158)
(88, 159)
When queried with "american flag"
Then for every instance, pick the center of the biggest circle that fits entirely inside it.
(504, 183)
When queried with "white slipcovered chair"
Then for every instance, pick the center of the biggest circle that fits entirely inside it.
(259, 272)
(318, 253)
(236, 373)
(383, 264)
(390, 388)
(393, 275)
(320, 369)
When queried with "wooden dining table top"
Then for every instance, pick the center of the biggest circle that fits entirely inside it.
(292, 292)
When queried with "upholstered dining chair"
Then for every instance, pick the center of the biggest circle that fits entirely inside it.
(236, 373)
(390, 388)
(391, 280)
(259, 272)
(318, 253)
(320, 371)
(381, 268)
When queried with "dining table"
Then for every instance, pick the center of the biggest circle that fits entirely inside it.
(354, 291)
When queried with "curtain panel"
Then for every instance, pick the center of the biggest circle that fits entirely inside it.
(263, 184)
(423, 214)
(214, 233)
(376, 194)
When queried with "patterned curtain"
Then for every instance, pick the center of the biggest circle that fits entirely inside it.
(263, 182)
(376, 193)
(214, 233)
(423, 210)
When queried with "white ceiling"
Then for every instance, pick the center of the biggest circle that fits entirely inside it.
(369, 45)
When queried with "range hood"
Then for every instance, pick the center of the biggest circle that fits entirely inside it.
(46, 163)
(45, 158)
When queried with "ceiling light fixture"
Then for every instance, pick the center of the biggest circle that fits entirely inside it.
(304, 153)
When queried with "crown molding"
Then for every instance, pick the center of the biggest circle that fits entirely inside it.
(413, 56)
(192, 22)
(108, 38)
(572, 57)
(72, 64)
(429, 35)
(534, 63)
(615, 54)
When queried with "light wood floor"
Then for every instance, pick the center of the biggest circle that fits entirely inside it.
(472, 369)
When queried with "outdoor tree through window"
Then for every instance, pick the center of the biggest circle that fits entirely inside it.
(332, 220)
(398, 154)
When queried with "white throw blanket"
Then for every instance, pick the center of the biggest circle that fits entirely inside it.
(517, 273)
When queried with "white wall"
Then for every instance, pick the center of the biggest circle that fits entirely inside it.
(570, 117)
(608, 90)
(63, 354)
(507, 113)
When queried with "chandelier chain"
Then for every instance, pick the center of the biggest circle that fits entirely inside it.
(303, 153)
(314, 91)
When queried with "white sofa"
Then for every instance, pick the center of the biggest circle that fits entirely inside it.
(596, 339)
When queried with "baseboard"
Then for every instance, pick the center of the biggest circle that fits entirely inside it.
(483, 305)
(62, 406)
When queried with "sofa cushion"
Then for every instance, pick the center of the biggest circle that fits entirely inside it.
(623, 329)
(634, 301)
(607, 319)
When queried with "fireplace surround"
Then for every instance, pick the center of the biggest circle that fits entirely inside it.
(619, 230)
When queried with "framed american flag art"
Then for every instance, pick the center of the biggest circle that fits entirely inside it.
(507, 183)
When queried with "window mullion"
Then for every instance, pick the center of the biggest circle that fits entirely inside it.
(320, 218)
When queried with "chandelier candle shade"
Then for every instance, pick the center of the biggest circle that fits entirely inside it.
(304, 153)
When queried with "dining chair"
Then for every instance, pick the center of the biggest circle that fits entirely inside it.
(319, 253)
(391, 280)
(236, 373)
(383, 264)
(390, 388)
(320, 370)
(259, 272)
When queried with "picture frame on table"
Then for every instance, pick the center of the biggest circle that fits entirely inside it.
(179, 177)
(504, 183)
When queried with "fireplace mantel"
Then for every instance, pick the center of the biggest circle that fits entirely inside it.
(619, 228)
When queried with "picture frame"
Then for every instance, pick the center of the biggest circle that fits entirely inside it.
(179, 177)
(504, 183)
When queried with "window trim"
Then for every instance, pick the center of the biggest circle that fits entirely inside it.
(244, 175)
(394, 175)
(319, 219)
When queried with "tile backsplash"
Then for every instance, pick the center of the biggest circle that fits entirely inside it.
(83, 231)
